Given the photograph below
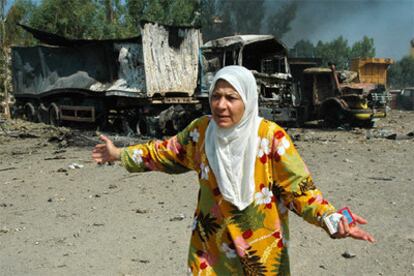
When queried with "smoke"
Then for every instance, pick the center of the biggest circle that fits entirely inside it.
(389, 22)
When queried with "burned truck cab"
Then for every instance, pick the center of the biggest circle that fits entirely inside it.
(266, 57)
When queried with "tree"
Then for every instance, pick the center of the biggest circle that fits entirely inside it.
(183, 12)
(336, 52)
(303, 48)
(70, 18)
(20, 12)
(178, 12)
(246, 16)
(208, 19)
(135, 12)
(3, 59)
(279, 23)
(364, 48)
(401, 73)
(228, 17)
(111, 18)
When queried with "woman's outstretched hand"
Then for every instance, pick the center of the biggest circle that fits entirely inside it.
(345, 230)
(106, 152)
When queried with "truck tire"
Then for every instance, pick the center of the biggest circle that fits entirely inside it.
(141, 126)
(30, 113)
(334, 116)
(42, 114)
(300, 117)
(54, 115)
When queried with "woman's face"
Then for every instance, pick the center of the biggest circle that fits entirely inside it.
(226, 105)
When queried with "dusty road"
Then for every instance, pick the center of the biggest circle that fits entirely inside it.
(84, 219)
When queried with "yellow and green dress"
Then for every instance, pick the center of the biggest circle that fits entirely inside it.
(225, 240)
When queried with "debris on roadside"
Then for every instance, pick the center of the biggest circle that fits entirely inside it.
(74, 166)
(348, 255)
(178, 218)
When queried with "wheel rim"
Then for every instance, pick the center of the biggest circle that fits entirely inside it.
(54, 119)
(29, 112)
(141, 127)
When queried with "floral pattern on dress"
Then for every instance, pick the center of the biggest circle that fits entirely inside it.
(204, 169)
(137, 156)
(265, 196)
(194, 134)
(264, 149)
(230, 253)
(281, 144)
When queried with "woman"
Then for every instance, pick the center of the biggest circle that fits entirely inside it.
(250, 175)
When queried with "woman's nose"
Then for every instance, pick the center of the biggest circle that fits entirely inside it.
(221, 102)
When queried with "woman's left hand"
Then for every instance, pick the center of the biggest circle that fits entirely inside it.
(345, 230)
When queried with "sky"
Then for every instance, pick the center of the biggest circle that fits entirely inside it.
(389, 22)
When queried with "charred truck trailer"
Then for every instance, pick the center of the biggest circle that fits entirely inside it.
(144, 84)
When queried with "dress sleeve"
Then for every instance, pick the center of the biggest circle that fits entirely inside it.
(292, 182)
(173, 155)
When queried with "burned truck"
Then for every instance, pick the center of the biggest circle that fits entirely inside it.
(342, 97)
(266, 57)
(145, 84)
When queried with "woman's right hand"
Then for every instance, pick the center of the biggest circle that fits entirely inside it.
(106, 152)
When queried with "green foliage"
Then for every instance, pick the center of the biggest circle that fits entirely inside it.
(208, 19)
(20, 12)
(97, 19)
(183, 12)
(303, 48)
(363, 49)
(401, 74)
(243, 20)
(336, 51)
(178, 12)
(134, 13)
(71, 18)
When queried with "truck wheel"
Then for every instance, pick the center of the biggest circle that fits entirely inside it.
(141, 127)
(42, 114)
(30, 113)
(300, 117)
(334, 116)
(54, 115)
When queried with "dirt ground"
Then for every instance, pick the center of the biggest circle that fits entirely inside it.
(60, 214)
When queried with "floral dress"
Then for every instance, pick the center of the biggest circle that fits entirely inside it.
(225, 240)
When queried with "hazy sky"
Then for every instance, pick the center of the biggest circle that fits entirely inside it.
(389, 22)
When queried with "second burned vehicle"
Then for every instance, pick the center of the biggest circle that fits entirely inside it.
(338, 97)
(266, 57)
(297, 90)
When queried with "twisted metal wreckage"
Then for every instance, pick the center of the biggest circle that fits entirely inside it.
(156, 83)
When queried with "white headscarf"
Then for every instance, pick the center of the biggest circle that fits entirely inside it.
(231, 152)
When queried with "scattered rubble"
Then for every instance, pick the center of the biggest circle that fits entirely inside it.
(348, 255)
(178, 217)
